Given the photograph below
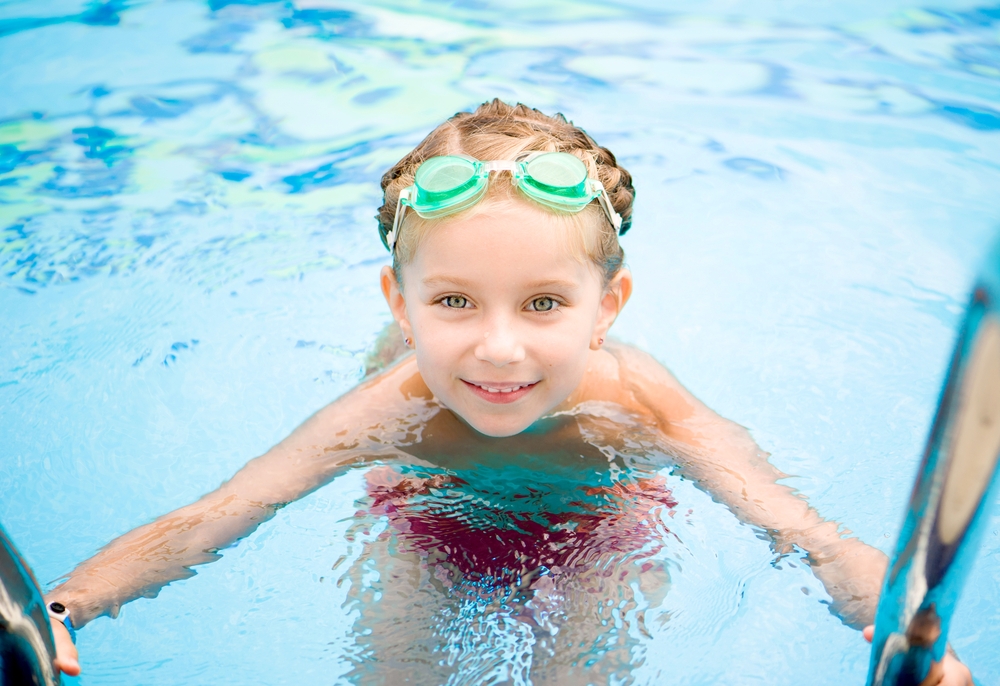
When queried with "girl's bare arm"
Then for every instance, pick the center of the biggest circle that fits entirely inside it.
(725, 460)
(365, 424)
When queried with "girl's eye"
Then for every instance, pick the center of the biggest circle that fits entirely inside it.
(456, 301)
(543, 304)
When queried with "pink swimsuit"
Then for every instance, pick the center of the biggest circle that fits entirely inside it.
(438, 516)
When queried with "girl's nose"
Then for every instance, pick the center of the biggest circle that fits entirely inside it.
(499, 345)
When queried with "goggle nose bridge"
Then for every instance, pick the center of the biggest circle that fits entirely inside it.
(500, 165)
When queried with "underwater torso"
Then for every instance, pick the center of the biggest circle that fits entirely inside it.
(526, 559)
(507, 517)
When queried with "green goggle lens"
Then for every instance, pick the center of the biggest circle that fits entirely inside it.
(446, 184)
(445, 175)
(559, 174)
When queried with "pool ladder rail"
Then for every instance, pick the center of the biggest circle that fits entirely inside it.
(955, 485)
(26, 645)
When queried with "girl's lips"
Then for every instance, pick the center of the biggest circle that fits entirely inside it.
(500, 393)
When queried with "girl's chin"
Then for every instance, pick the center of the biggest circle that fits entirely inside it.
(500, 431)
(496, 426)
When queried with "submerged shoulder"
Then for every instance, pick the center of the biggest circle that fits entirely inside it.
(624, 374)
(636, 366)
(400, 381)
(643, 384)
(394, 392)
(356, 427)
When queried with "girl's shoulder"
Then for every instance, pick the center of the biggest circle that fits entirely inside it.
(634, 379)
(628, 376)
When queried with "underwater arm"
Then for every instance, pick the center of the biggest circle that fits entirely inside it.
(358, 427)
(725, 460)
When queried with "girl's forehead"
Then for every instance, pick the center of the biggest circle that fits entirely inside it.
(512, 227)
(511, 243)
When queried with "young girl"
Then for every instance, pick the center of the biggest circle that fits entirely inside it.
(512, 447)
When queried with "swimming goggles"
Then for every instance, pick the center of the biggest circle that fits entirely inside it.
(451, 183)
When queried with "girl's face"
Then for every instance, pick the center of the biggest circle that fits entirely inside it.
(503, 316)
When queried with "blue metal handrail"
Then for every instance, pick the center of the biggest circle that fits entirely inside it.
(956, 483)
(26, 645)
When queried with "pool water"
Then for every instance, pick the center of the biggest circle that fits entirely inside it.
(189, 266)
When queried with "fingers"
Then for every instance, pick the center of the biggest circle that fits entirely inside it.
(67, 659)
(948, 672)
(955, 673)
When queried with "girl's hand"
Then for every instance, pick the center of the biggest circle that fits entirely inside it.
(67, 660)
(948, 672)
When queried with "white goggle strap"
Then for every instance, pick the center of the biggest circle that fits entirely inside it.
(602, 197)
(401, 205)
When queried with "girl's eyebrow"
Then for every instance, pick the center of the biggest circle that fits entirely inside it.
(434, 281)
(552, 283)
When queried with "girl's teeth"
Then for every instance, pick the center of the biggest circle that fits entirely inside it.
(501, 390)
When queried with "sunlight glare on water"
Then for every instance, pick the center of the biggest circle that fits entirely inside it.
(189, 264)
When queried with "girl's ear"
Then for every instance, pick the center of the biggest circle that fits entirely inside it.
(615, 296)
(394, 297)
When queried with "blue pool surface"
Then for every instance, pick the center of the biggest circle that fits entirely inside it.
(188, 270)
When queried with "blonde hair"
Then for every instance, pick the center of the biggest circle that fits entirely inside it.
(498, 131)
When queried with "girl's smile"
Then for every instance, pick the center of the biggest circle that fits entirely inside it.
(500, 392)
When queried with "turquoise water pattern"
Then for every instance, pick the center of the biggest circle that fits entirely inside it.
(189, 266)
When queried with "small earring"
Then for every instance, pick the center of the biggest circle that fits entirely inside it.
(600, 341)
(409, 342)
